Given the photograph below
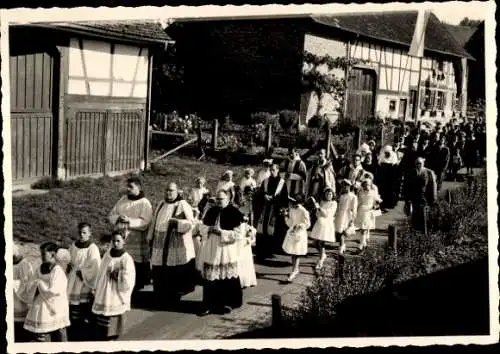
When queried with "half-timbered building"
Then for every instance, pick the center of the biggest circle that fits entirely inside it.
(250, 65)
(80, 97)
(384, 82)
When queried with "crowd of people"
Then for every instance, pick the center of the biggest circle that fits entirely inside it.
(209, 239)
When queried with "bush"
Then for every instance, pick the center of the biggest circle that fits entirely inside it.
(288, 120)
(317, 121)
(47, 183)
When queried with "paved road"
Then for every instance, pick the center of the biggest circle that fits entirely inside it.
(147, 324)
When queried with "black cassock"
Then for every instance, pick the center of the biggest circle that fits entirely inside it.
(270, 224)
(222, 292)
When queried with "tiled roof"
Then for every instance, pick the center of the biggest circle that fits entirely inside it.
(140, 31)
(462, 34)
(396, 27)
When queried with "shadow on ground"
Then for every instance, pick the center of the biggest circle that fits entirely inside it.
(449, 302)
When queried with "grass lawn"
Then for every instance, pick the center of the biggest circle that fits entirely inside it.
(54, 216)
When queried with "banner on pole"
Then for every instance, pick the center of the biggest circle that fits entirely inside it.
(418, 40)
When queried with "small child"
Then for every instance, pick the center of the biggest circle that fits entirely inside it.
(246, 265)
(48, 317)
(226, 183)
(23, 275)
(265, 172)
(295, 243)
(115, 283)
(84, 267)
(345, 215)
(247, 180)
(198, 192)
(324, 227)
(365, 220)
(456, 164)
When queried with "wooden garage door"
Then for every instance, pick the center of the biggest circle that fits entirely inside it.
(361, 94)
(32, 73)
(100, 141)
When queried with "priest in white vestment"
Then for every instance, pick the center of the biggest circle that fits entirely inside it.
(221, 231)
(173, 254)
(135, 210)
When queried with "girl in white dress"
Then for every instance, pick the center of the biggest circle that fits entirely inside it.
(376, 209)
(295, 243)
(324, 227)
(365, 221)
(246, 265)
(48, 316)
(23, 275)
(83, 271)
(198, 192)
(247, 180)
(265, 172)
(115, 284)
(196, 196)
(226, 184)
(346, 214)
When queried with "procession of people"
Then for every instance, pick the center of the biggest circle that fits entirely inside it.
(210, 237)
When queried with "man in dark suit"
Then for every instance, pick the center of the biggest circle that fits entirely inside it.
(441, 160)
(420, 193)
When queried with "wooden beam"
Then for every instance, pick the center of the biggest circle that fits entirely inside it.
(147, 135)
(61, 119)
(160, 132)
(136, 70)
(170, 152)
(84, 67)
(111, 73)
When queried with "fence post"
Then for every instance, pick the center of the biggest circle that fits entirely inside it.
(448, 196)
(269, 138)
(328, 140)
(357, 138)
(215, 132)
(341, 260)
(382, 137)
(393, 237)
(276, 311)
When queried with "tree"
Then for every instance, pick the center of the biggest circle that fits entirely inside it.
(168, 80)
(321, 82)
(469, 22)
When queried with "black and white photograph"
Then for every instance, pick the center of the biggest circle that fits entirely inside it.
(257, 177)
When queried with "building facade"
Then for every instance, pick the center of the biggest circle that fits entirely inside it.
(79, 98)
(384, 82)
(239, 67)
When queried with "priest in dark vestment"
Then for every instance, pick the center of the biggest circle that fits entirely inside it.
(322, 176)
(295, 172)
(271, 198)
(221, 231)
